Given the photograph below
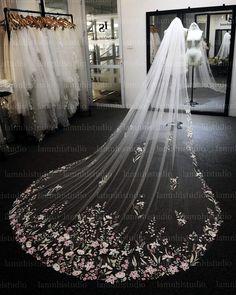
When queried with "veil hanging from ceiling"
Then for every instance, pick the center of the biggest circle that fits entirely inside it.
(138, 208)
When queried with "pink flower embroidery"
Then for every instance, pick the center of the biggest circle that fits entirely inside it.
(61, 239)
(134, 275)
(49, 252)
(89, 265)
(103, 251)
(31, 250)
(111, 279)
(151, 270)
(120, 275)
(13, 222)
(22, 240)
(162, 268)
(95, 244)
(80, 252)
(184, 266)
(126, 264)
(173, 269)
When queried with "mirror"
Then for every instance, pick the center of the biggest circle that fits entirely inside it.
(208, 78)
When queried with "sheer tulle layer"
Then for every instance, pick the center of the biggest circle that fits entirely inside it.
(139, 207)
(47, 86)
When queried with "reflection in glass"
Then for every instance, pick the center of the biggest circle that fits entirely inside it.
(220, 24)
(103, 36)
(106, 86)
(103, 32)
(56, 6)
(222, 44)
(207, 81)
(201, 20)
(158, 25)
(104, 50)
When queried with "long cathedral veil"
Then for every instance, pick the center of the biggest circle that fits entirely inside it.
(138, 208)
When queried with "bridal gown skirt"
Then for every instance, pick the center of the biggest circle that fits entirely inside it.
(94, 226)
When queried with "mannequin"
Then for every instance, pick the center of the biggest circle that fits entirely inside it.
(194, 38)
(194, 54)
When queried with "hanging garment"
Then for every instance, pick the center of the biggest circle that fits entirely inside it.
(21, 73)
(155, 42)
(44, 72)
(139, 207)
(46, 84)
(66, 66)
(225, 47)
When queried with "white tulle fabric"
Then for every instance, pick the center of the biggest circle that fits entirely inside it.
(43, 66)
(155, 42)
(225, 47)
(113, 215)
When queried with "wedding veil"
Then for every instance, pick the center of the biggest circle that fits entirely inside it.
(139, 207)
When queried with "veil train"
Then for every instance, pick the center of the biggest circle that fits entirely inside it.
(139, 207)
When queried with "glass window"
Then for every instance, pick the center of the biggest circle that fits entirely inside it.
(106, 86)
(104, 50)
(103, 32)
(56, 6)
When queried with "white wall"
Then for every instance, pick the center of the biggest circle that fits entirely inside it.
(133, 14)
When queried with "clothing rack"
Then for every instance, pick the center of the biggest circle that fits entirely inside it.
(42, 13)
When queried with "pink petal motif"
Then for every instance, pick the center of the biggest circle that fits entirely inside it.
(173, 269)
(120, 275)
(134, 275)
(151, 270)
(111, 279)
(89, 266)
(184, 266)
(95, 244)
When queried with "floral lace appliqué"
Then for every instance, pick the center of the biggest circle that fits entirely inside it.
(180, 218)
(138, 206)
(103, 181)
(138, 153)
(173, 183)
